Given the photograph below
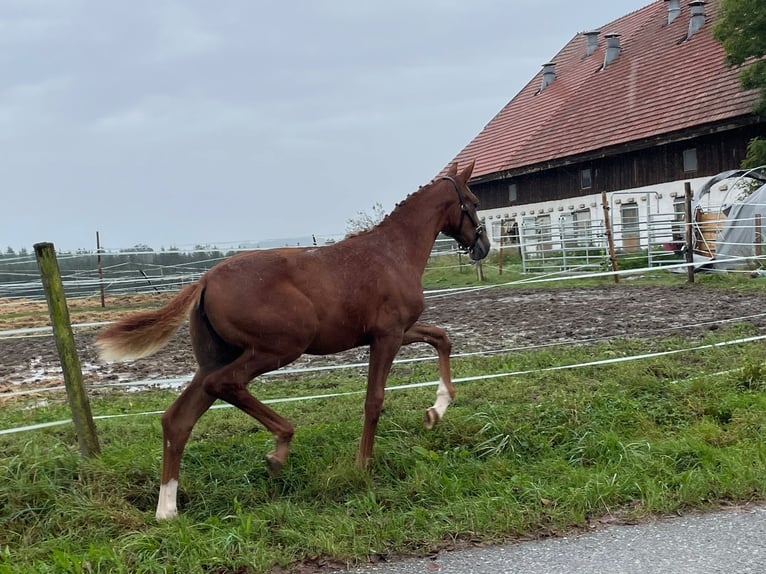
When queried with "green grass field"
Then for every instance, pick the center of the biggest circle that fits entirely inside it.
(516, 457)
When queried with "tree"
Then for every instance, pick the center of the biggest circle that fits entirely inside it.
(741, 30)
(364, 221)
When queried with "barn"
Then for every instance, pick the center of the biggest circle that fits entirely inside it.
(628, 113)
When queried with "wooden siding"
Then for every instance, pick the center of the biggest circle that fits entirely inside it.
(659, 164)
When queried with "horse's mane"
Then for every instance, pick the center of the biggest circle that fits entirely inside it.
(398, 207)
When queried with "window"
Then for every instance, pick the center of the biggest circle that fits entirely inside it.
(497, 232)
(581, 220)
(575, 228)
(543, 231)
(630, 227)
(512, 194)
(585, 179)
(505, 231)
(512, 231)
(690, 160)
(678, 227)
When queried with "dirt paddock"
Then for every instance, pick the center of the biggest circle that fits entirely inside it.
(479, 320)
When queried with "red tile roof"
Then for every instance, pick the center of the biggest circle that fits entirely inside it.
(659, 83)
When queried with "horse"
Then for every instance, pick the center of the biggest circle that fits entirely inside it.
(260, 310)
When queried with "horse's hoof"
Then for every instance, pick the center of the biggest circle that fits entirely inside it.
(431, 418)
(166, 515)
(273, 465)
(364, 464)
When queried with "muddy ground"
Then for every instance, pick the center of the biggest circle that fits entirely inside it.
(479, 320)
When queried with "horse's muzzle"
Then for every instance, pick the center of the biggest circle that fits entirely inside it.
(479, 249)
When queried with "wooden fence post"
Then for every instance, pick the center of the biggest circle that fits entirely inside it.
(609, 238)
(689, 232)
(100, 270)
(479, 271)
(70, 362)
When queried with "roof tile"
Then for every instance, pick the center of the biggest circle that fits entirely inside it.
(661, 82)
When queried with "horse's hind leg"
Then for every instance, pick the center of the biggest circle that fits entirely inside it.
(438, 339)
(230, 384)
(177, 424)
(179, 419)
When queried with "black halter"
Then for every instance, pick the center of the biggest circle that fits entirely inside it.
(465, 212)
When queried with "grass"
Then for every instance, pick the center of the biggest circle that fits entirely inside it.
(535, 454)
(516, 457)
(452, 271)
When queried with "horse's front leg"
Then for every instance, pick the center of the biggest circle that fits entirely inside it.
(382, 353)
(438, 339)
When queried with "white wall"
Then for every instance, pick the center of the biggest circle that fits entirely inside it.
(653, 199)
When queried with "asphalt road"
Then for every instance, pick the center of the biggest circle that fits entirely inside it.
(730, 541)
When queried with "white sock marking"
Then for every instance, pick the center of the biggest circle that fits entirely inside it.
(166, 505)
(442, 399)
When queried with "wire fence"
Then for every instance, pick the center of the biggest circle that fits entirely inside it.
(176, 382)
(444, 248)
(90, 273)
(567, 245)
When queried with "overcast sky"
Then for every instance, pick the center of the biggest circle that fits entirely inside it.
(175, 123)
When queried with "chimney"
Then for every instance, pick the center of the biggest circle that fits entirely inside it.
(674, 9)
(612, 48)
(697, 20)
(549, 74)
(592, 38)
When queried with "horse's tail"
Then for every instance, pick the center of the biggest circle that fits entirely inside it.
(145, 333)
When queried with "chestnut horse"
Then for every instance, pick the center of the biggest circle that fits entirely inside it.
(259, 311)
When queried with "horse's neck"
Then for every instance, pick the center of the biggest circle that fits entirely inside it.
(413, 226)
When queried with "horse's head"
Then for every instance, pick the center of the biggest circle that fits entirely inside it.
(463, 224)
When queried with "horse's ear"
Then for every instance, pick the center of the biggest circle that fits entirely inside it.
(466, 173)
(452, 169)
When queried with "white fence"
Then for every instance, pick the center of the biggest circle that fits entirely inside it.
(656, 240)
(570, 245)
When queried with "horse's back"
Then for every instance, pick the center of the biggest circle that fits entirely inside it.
(325, 299)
